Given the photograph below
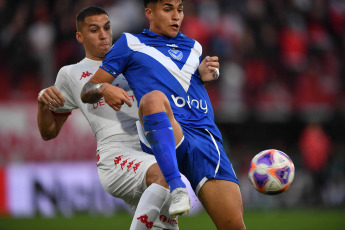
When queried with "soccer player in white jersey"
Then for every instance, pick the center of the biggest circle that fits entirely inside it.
(124, 170)
(164, 69)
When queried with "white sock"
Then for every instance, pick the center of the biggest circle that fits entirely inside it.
(149, 207)
(165, 221)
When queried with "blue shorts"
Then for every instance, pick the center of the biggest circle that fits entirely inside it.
(201, 157)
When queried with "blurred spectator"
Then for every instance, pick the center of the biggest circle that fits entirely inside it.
(16, 46)
(294, 43)
(315, 146)
(232, 103)
(195, 27)
(274, 102)
(41, 37)
(126, 16)
(316, 91)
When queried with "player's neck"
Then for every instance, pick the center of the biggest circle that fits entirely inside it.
(94, 58)
(160, 33)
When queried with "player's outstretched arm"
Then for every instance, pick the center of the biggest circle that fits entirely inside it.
(209, 69)
(49, 124)
(100, 86)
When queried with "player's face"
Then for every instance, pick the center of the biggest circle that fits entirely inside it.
(96, 36)
(165, 17)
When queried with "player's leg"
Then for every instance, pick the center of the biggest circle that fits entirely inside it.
(165, 220)
(223, 202)
(152, 200)
(212, 177)
(149, 207)
(163, 133)
(135, 177)
(154, 176)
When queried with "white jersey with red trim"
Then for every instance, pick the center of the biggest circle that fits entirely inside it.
(108, 125)
(121, 163)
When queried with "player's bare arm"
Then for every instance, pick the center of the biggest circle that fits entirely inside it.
(209, 69)
(49, 124)
(100, 86)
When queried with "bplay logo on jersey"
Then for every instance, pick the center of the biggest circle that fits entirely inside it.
(176, 54)
(192, 103)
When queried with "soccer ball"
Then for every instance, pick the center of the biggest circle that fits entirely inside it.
(271, 172)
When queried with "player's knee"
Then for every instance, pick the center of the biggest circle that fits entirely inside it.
(154, 175)
(153, 102)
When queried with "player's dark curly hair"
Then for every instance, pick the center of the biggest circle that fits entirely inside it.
(146, 2)
(88, 11)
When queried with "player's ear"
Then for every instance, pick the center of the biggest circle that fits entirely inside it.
(148, 13)
(79, 37)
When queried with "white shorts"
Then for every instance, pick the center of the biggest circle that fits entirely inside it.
(122, 173)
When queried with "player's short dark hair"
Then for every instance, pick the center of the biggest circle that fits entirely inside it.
(146, 2)
(88, 11)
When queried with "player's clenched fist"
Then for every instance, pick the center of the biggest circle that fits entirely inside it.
(209, 69)
(51, 97)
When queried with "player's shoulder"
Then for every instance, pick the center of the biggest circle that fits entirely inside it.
(190, 42)
(65, 70)
(68, 71)
(130, 36)
(129, 40)
(195, 43)
(124, 40)
(85, 63)
(63, 75)
(197, 46)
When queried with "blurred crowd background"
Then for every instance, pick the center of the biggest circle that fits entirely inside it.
(281, 86)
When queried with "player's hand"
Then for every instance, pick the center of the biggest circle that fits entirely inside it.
(209, 69)
(115, 96)
(51, 97)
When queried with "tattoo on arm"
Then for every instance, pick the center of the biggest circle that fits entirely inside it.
(90, 93)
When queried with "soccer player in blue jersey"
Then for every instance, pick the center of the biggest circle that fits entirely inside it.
(164, 69)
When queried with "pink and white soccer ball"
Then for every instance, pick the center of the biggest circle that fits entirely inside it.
(271, 172)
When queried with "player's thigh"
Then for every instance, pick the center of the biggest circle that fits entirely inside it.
(223, 202)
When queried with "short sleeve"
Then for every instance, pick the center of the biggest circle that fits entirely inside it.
(117, 58)
(63, 85)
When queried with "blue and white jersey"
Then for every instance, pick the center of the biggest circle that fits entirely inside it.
(152, 62)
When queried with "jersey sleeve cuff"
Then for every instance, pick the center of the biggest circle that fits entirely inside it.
(109, 70)
(61, 114)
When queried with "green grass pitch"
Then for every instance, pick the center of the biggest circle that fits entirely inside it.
(256, 220)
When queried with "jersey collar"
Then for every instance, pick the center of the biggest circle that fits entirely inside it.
(88, 60)
(153, 34)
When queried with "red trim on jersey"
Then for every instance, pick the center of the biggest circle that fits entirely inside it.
(61, 114)
(3, 193)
